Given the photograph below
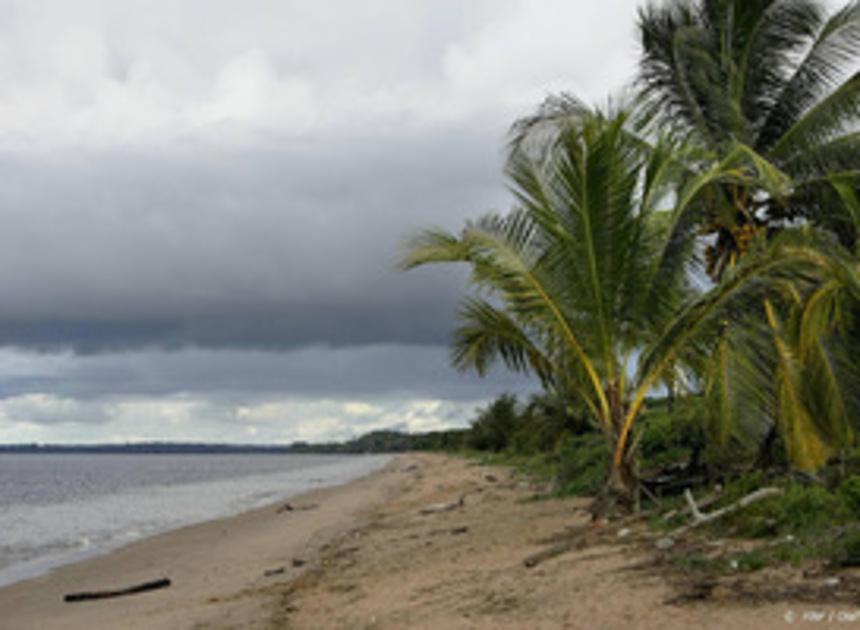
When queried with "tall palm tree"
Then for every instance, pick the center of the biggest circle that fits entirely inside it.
(585, 281)
(776, 77)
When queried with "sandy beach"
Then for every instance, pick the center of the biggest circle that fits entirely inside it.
(217, 569)
(427, 542)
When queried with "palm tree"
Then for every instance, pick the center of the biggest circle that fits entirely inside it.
(585, 282)
(785, 368)
(777, 78)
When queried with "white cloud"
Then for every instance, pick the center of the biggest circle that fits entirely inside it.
(48, 409)
(541, 47)
(248, 91)
(122, 74)
(50, 418)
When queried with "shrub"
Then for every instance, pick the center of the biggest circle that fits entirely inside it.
(845, 550)
(582, 464)
(849, 492)
(800, 509)
(495, 426)
(670, 436)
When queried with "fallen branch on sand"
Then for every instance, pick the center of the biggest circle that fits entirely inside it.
(700, 518)
(549, 553)
(443, 507)
(702, 503)
(131, 590)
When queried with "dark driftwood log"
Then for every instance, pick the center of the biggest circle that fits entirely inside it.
(131, 590)
(289, 507)
(550, 552)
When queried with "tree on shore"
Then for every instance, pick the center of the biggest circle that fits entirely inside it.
(585, 282)
(775, 79)
(738, 161)
(778, 81)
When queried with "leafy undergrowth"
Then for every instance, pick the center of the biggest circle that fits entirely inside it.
(576, 467)
(808, 524)
(814, 521)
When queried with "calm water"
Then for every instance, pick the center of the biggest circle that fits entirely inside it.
(60, 508)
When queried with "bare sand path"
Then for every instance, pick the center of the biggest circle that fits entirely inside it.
(463, 568)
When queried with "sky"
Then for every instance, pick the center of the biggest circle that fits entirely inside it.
(203, 203)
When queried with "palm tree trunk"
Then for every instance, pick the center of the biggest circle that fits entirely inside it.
(620, 495)
(764, 458)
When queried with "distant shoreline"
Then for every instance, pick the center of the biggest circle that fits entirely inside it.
(153, 448)
(385, 441)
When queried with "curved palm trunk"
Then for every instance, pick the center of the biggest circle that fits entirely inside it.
(620, 494)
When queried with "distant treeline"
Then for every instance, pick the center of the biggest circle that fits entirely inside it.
(374, 442)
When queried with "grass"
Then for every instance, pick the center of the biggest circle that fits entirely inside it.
(807, 522)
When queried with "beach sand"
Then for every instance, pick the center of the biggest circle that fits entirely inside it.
(381, 552)
(217, 568)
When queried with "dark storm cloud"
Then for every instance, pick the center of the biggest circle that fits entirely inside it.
(249, 180)
(254, 248)
(380, 370)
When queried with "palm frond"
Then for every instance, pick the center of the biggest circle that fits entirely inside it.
(488, 334)
(828, 118)
(833, 48)
(433, 246)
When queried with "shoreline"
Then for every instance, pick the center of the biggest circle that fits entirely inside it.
(209, 564)
(108, 541)
(428, 541)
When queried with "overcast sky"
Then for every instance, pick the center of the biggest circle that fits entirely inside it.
(202, 204)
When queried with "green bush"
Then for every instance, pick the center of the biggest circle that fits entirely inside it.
(670, 436)
(849, 492)
(546, 421)
(845, 550)
(582, 464)
(495, 426)
(752, 560)
(799, 510)
(743, 485)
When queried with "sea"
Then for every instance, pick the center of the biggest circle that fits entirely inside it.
(61, 508)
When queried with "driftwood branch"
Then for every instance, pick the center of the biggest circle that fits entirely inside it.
(694, 509)
(703, 503)
(443, 507)
(700, 518)
(549, 553)
(131, 590)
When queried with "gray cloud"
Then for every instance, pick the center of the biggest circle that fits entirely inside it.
(248, 182)
(258, 248)
(350, 372)
(208, 200)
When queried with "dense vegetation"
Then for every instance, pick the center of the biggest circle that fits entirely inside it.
(697, 239)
